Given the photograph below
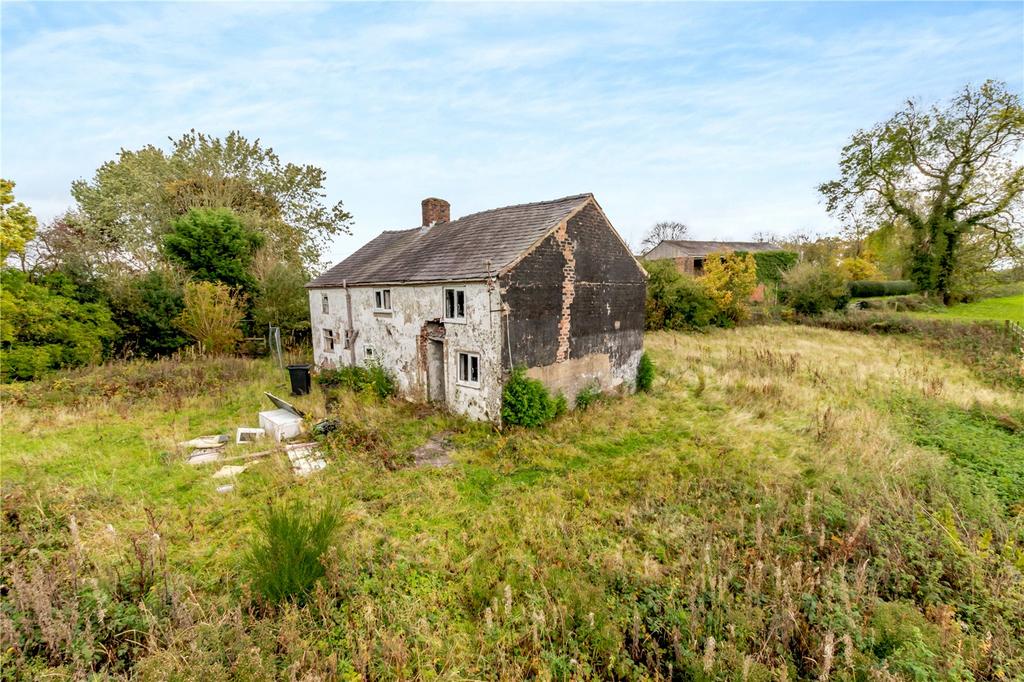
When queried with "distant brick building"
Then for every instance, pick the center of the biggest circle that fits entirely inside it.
(689, 256)
(452, 306)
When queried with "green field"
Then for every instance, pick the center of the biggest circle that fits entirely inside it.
(1001, 308)
(786, 503)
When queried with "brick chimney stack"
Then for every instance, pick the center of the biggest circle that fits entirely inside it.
(436, 211)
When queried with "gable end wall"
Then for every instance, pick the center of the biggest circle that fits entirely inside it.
(575, 308)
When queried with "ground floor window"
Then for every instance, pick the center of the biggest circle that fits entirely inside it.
(329, 340)
(368, 352)
(469, 369)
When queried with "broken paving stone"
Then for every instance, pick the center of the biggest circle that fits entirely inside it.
(225, 488)
(433, 453)
(305, 458)
(204, 456)
(206, 442)
(229, 471)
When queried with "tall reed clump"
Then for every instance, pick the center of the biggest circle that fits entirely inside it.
(284, 560)
(645, 373)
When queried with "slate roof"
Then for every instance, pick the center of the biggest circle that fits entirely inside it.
(453, 251)
(685, 247)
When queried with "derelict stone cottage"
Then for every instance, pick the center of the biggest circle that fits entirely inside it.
(452, 306)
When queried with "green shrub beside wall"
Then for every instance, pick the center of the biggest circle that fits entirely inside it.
(526, 402)
(867, 288)
(370, 379)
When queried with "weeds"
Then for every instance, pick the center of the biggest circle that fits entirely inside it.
(372, 379)
(645, 373)
(587, 396)
(284, 560)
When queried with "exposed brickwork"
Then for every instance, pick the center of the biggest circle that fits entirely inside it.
(568, 290)
(578, 292)
(436, 211)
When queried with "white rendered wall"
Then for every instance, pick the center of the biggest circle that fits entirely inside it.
(395, 339)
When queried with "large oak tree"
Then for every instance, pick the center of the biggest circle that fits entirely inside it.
(950, 175)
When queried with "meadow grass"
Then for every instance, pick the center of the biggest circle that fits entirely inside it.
(785, 503)
(999, 308)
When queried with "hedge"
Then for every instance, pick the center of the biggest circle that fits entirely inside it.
(771, 264)
(868, 289)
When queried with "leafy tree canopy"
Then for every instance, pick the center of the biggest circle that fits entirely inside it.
(729, 280)
(17, 224)
(132, 201)
(43, 329)
(944, 173)
(214, 246)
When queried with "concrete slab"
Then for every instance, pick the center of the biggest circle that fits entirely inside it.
(206, 442)
(229, 471)
(433, 453)
(222, 489)
(206, 456)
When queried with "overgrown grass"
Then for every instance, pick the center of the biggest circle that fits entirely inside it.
(1001, 308)
(785, 501)
(983, 345)
(284, 562)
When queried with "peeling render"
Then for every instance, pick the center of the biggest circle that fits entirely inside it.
(398, 339)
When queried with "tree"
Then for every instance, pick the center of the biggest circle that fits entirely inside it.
(811, 289)
(17, 224)
(211, 316)
(131, 202)
(857, 268)
(944, 174)
(43, 328)
(668, 229)
(281, 298)
(729, 280)
(674, 300)
(214, 246)
(145, 307)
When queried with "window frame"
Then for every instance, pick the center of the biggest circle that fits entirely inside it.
(470, 357)
(384, 296)
(325, 304)
(329, 339)
(456, 291)
(369, 353)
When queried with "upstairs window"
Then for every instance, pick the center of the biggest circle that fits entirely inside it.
(329, 340)
(455, 305)
(325, 304)
(382, 300)
(469, 369)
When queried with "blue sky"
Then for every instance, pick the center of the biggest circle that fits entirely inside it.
(724, 116)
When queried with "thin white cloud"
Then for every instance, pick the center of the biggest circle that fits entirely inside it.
(726, 116)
